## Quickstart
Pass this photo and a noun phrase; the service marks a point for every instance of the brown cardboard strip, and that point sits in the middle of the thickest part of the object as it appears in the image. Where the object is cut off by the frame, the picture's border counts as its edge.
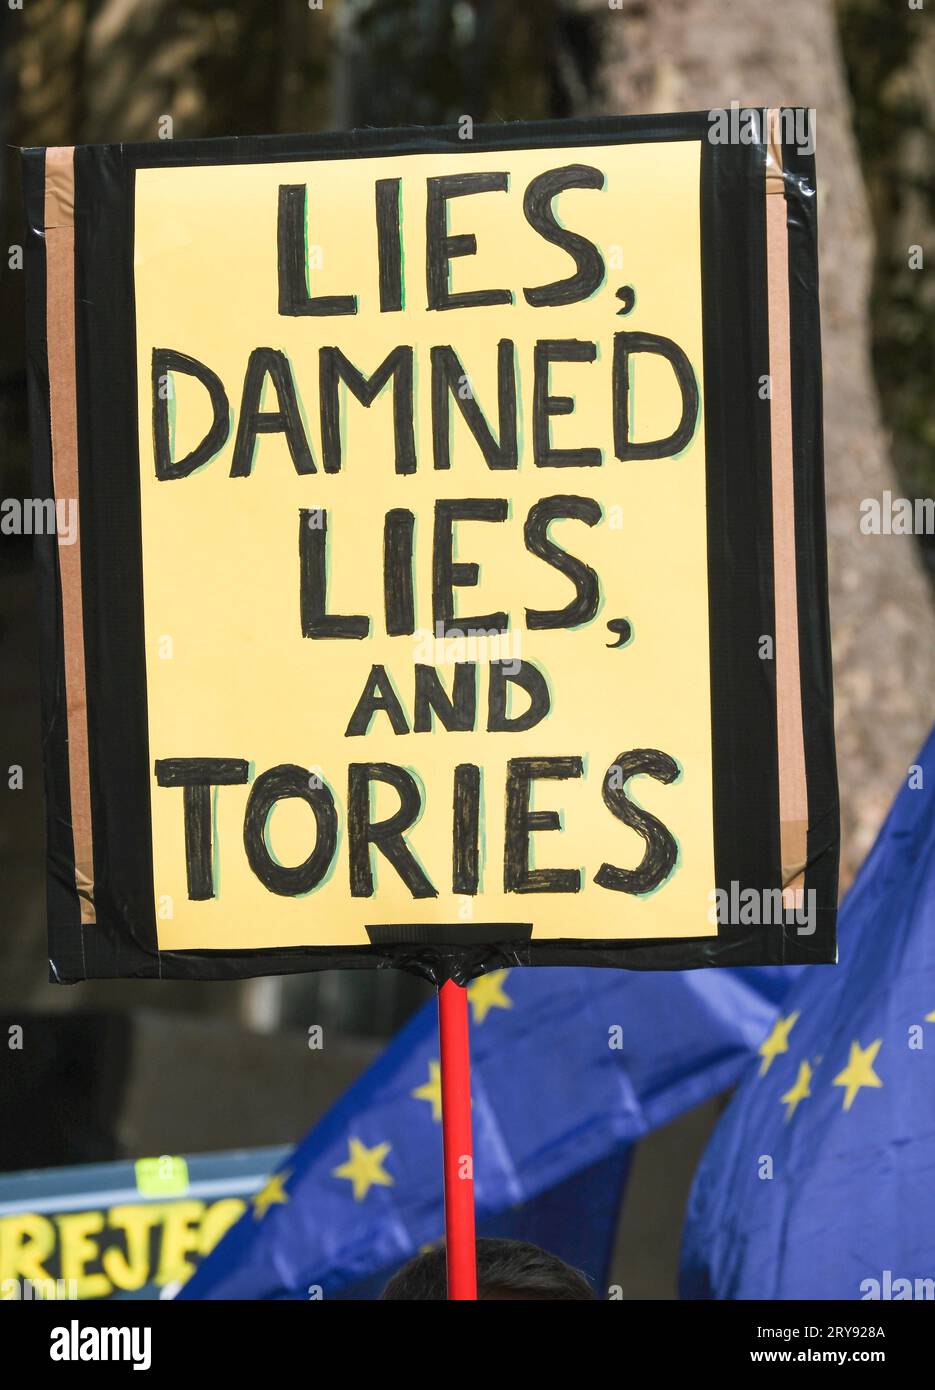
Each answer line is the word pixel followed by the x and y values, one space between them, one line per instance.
pixel 60 332
pixel 793 790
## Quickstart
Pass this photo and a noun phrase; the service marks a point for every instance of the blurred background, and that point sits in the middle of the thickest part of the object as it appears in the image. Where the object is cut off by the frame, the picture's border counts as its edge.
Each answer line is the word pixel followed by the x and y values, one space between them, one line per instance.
pixel 123 1069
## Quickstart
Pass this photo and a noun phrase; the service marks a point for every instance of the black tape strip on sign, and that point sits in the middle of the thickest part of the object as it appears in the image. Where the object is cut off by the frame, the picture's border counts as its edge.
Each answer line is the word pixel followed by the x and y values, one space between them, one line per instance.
pixel 448 586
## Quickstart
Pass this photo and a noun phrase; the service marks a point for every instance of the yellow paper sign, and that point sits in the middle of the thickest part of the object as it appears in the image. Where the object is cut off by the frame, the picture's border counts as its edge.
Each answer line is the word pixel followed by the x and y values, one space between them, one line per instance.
pixel 424 545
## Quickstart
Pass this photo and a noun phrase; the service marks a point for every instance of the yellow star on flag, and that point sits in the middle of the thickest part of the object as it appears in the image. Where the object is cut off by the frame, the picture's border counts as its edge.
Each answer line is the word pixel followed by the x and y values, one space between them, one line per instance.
pixel 364 1168
pixel 778 1041
pixel 859 1071
pixel 930 1018
pixel 431 1090
pixel 799 1092
pixel 486 993
pixel 271 1194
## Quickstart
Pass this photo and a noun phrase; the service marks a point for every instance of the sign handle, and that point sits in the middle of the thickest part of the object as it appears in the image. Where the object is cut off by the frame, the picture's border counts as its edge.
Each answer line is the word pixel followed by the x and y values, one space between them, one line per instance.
pixel 455 1066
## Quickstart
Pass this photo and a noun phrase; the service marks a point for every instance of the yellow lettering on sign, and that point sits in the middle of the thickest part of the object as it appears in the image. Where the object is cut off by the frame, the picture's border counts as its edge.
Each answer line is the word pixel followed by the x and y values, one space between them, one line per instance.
pixel 181 1236
pixel 77 1250
pixel 525 471
pixel 26 1239
pixel 218 1219
pixel 124 1241
pixel 132 1271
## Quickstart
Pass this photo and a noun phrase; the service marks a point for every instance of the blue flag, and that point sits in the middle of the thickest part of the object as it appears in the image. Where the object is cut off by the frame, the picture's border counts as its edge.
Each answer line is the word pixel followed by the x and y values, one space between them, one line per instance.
pixel 819 1181
pixel 569 1068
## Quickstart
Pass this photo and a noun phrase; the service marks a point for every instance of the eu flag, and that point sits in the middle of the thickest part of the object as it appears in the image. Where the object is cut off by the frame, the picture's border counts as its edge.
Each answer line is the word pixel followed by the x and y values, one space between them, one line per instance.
pixel 569 1068
pixel 819 1181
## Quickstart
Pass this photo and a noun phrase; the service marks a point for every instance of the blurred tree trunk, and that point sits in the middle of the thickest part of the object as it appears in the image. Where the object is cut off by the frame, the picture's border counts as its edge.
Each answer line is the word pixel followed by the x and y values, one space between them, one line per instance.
pixel 701 54
pixel 890 60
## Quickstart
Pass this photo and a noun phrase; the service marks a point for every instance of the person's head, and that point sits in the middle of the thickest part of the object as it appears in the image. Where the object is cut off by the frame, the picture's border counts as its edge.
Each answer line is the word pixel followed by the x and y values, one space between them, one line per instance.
pixel 506 1269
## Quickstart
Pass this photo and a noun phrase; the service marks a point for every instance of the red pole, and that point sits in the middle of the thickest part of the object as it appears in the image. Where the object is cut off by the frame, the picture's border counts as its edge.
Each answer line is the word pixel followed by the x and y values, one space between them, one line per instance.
pixel 455 1060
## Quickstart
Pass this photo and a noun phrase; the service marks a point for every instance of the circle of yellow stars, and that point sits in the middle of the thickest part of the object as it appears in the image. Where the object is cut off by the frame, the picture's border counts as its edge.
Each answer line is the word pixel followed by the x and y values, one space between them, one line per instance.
pixel 364 1166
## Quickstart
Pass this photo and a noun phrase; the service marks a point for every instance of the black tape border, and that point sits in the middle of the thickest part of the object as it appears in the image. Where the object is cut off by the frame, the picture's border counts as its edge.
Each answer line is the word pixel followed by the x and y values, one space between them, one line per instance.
pixel 66 933
pixel 742 686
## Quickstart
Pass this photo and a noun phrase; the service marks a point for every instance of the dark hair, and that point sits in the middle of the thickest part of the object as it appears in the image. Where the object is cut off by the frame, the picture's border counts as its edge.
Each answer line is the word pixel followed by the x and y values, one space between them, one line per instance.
pixel 506 1269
